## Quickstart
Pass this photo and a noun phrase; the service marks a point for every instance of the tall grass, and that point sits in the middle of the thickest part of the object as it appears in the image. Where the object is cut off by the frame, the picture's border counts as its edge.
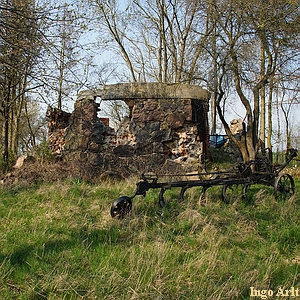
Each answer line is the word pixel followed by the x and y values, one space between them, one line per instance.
pixel 58 241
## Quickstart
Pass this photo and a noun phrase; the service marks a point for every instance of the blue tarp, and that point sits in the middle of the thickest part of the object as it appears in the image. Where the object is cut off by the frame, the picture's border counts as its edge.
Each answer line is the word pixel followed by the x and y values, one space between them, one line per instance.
pixel 217 140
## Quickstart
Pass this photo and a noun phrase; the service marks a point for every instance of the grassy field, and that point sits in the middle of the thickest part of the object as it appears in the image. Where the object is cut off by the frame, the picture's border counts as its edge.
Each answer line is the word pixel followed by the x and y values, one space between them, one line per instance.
pixel 58 241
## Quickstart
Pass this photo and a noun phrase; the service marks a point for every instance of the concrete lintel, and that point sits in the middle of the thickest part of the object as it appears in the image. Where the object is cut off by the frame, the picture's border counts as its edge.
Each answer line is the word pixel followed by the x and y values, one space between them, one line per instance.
pixel 150 90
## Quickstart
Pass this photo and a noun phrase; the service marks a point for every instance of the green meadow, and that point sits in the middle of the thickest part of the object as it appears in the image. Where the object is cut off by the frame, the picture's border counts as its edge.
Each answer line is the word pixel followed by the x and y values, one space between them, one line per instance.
pixel 58 241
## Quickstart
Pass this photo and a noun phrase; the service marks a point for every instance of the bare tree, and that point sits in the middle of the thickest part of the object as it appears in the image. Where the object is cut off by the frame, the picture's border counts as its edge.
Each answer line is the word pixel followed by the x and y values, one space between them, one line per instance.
pixel 67 57
pixel 41 58
pixel 18 48
pixel 158 40
pixel 286 104
pixel 250 40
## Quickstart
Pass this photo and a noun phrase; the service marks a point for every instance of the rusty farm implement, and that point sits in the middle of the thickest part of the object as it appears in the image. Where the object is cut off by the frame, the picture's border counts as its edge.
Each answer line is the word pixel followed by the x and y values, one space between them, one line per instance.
pixel 243 175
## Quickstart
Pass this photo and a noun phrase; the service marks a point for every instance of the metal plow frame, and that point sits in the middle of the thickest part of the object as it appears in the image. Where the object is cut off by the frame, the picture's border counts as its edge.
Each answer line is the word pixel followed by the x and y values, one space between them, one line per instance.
pixel 258 171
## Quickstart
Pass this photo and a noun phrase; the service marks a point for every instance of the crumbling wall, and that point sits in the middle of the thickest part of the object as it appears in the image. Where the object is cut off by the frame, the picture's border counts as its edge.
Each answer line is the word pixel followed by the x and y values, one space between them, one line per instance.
pixel 162 126
pixel 57 124
pixel 166 123
pixel 237 126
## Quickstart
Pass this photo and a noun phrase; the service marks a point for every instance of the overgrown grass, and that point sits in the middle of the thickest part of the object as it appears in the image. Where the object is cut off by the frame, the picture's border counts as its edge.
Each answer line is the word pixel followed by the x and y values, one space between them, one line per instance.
pixel 58 241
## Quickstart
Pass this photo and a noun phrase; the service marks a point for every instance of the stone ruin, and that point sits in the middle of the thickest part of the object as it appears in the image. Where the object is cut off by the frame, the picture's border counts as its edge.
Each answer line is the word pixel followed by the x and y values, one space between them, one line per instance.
pixel 166 131
pixel 237 126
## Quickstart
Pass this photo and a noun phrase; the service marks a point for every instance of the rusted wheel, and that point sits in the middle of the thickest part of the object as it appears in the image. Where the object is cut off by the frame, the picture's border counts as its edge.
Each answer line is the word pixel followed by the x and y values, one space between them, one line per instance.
pixel 121 207
pixel 233 192
pixel 284 187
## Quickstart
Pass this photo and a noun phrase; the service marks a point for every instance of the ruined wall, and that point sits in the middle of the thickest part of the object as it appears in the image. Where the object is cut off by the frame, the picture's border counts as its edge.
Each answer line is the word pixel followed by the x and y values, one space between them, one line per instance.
pixel 57 124
pixel 166 123
pixel 163 126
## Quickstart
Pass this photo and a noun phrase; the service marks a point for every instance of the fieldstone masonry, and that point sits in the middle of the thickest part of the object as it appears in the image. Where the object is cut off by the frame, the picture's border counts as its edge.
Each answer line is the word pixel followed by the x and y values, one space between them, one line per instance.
pixel 167 126
pixel 57 124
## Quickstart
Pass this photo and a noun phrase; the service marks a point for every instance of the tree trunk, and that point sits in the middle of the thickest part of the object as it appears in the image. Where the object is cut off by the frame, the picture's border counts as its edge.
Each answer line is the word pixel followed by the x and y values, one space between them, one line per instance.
pixel 270 123
pixel 6 142
pixel 262 131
